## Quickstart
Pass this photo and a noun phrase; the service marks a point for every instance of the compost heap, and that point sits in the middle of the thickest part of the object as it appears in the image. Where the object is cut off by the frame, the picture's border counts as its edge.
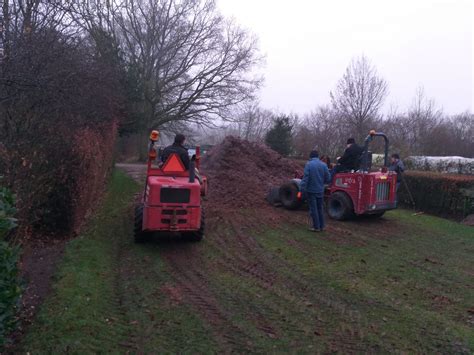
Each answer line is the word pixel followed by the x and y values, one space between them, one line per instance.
pixel 241 173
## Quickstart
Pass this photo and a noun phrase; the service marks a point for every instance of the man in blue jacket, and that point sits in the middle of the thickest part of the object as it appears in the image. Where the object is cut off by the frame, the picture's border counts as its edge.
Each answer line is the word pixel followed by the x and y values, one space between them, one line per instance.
pixel 316 174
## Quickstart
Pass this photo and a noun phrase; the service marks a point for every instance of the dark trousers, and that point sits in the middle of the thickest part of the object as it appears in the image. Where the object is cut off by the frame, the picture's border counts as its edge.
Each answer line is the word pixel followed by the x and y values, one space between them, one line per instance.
pixel 396 190
pixel 338 169
pixel 316 210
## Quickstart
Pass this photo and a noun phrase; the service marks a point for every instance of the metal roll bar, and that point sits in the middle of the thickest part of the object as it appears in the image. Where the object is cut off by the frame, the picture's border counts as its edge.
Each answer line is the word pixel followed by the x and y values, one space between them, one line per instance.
pixel 365 153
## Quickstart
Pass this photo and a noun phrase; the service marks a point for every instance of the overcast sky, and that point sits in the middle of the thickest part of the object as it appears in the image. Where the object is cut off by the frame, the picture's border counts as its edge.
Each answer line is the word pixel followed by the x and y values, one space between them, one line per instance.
pixel 309 43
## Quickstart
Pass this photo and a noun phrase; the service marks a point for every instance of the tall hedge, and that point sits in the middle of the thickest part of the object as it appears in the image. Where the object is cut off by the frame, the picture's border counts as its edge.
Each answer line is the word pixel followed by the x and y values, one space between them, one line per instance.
pixel 9 284
pixel 62 99
pixel 59 178
pixel 441 194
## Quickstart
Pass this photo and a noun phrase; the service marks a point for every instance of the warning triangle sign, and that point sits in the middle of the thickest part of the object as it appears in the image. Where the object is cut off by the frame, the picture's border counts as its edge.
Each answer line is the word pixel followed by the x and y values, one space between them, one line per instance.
pixel 173 165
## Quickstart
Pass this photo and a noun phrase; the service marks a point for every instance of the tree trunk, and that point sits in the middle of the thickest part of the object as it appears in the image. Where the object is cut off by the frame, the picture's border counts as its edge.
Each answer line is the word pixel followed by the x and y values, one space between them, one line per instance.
pixel 148 110
pixel 142 145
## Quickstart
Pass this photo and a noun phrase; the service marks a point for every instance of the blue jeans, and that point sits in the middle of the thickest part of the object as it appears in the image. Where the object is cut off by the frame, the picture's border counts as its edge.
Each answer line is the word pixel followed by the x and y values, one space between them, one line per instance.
pixel 396 191
pixel 316 210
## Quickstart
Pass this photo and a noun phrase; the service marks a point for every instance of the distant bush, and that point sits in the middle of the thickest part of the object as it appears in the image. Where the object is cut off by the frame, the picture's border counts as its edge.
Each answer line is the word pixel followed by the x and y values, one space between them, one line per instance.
pixel 451 165
pixel 441 194
pixel 9 287
pixel 280 135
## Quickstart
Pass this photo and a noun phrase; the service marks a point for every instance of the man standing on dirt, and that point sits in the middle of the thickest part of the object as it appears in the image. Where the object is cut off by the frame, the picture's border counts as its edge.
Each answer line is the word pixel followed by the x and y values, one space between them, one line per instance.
pixel 316 174
pixel 178 148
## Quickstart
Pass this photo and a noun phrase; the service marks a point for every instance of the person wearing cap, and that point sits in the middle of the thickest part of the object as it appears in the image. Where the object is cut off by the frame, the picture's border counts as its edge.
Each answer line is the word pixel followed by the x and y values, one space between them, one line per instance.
pixel 178 148
pixel 350 160
pixel 316 174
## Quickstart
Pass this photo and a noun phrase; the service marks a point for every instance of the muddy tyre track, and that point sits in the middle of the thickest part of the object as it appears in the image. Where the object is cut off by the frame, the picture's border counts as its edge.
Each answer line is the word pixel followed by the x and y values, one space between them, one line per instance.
pixel 191 281
pixel 231 234
pixel 292 292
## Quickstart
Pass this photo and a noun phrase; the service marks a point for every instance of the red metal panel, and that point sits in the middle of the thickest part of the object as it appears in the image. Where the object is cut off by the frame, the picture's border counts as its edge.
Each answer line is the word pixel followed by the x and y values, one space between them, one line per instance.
pixel 361 188
pixel 155 183
pixel 160 214
pixel 173 165
pixel 155 220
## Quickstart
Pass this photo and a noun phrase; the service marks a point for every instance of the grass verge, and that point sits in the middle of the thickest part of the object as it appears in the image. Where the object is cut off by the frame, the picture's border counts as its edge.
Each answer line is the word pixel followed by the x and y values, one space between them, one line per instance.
pixel 107 292
pixel 409 286
pixel 399 284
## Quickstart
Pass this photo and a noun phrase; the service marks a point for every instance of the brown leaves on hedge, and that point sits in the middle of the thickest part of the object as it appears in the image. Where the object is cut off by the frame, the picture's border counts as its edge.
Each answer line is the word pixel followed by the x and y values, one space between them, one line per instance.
pixel 441 194
pixel 440 176
pixel 64 175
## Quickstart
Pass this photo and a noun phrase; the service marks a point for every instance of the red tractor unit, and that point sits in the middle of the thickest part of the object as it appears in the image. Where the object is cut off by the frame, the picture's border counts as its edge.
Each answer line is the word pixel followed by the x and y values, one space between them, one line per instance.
pixel 171 202
pixel 354 193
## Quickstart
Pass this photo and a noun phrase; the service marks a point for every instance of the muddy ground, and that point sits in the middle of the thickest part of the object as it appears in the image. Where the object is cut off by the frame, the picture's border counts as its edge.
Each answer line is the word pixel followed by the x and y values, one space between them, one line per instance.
pixel 230 229
pixel 260 282
pixel 240 175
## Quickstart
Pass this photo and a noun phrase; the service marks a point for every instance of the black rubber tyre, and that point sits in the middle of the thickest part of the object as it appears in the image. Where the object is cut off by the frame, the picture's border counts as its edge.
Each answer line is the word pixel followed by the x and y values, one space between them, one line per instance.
pixel 198 235
pixel 340 206
pixel 289 196
pixel 273 196
pixel 138 234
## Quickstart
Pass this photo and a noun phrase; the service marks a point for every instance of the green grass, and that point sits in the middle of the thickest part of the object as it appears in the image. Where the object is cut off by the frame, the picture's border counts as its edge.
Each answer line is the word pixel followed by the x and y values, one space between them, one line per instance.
pixel 401 284
pixel 107 292
pixel 163 324
pixel 412 288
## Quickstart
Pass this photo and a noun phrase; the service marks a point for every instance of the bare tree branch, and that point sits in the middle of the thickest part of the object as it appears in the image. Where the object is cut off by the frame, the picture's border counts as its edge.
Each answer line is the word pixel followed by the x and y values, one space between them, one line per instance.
pixel 359 95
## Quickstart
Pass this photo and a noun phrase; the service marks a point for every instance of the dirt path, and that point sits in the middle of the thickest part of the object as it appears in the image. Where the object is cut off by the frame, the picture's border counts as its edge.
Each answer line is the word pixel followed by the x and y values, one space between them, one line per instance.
pixel 259 283
pixel 37 266
pixel 231 249
pixel 191 280
pixel 136 171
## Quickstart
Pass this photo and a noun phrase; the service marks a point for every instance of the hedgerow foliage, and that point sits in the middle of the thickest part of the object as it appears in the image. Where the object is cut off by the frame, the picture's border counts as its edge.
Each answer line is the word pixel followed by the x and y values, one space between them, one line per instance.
pixel 59 181
pixel 61 103
pixel 9 288
pixel 441 194
pixel 7 211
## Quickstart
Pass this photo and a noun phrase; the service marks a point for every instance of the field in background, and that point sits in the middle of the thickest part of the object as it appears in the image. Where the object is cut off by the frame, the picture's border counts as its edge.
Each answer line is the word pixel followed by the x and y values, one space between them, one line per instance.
pixel 403 283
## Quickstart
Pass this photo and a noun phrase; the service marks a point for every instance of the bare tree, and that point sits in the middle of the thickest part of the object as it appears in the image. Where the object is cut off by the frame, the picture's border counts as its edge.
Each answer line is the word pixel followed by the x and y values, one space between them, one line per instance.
pixel 321 129
pixel 423 116
pixel 462 126
pixel 193 65
pixel 252 121
pixel 359 95
pixel 184 62
pixel 424 130
pixel 399 129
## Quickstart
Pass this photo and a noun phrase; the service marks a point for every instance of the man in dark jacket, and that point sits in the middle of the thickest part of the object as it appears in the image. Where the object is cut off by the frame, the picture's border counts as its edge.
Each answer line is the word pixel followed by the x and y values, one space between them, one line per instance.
pixel 316 174
pixel 397 165
pixel 178 148
pixel 350 160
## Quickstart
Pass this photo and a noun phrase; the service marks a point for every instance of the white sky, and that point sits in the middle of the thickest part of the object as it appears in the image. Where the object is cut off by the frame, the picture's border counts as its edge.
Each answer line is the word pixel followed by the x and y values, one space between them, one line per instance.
pixel 309 43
